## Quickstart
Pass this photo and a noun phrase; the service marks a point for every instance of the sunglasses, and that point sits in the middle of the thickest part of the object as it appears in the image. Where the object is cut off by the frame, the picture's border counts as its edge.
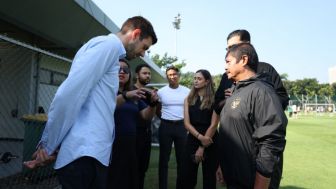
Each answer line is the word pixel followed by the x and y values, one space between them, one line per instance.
pixel 126 70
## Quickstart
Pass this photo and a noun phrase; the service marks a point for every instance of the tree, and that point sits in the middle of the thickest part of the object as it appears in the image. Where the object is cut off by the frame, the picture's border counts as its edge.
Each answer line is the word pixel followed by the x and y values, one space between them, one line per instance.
pixel 187 79
pixel 309 87
pixel 166 61
pixel 284 77
pixel 306 86
pixel 325 90
pixel 217 79
pixel 333 86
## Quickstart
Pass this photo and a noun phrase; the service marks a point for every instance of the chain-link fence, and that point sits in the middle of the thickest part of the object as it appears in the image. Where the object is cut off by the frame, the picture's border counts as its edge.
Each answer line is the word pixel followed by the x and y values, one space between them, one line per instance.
pixel 29 78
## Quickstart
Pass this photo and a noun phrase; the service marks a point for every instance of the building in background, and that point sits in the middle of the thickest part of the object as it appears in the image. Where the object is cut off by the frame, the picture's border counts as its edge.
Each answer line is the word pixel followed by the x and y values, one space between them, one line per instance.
pixel 38 40
pixel 332 75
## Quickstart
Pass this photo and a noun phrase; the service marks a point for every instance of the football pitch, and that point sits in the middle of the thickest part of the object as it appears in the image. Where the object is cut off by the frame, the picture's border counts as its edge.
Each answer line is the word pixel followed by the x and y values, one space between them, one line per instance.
pixel 310 154
pixel 309 160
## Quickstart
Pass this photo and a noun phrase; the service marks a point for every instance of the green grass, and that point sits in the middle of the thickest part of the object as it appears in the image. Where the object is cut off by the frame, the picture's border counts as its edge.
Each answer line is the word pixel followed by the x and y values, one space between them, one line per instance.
pixel 152 181
pixel 310 154
pixel 309 162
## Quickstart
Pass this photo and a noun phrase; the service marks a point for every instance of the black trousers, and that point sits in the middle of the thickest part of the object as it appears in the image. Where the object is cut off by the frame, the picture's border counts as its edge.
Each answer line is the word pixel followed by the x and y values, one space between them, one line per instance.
pixel 170 133
pixel 85 173
pixel 143 148
pixel 209 164
pixel 122 172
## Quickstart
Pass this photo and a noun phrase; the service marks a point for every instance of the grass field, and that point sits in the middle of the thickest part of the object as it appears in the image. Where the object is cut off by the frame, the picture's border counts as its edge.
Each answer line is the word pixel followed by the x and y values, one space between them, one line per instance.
pixel 309 162
pixel 310 154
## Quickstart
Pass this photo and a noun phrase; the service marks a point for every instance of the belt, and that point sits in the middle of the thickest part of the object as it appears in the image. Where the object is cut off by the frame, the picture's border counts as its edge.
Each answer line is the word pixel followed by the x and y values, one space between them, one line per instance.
pixel 172 121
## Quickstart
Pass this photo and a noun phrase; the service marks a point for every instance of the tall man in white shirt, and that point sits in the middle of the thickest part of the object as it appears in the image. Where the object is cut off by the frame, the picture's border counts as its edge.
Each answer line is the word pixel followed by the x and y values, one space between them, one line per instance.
pixel 80 127
pixel 172 127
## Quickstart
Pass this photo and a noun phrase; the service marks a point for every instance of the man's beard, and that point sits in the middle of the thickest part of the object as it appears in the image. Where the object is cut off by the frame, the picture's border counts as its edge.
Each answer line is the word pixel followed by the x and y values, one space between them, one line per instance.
pixel 130 50
pixel 144 81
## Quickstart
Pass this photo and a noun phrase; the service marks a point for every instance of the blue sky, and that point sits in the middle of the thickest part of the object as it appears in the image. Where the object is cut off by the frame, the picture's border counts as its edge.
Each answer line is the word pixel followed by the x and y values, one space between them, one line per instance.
pixel 297 37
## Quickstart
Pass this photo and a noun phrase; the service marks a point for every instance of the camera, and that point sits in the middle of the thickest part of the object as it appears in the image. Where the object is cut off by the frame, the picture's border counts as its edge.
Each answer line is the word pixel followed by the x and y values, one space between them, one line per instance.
pixel 148 95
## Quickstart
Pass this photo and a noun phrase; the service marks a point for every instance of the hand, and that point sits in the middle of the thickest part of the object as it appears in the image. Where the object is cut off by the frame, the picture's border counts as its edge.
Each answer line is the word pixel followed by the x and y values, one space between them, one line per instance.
pixel 261 182
pixel 199 155
pixel 219 177
pixel 40 158
pixel 205 140
pixel 136 94
pixel 228 93
pixel 154 96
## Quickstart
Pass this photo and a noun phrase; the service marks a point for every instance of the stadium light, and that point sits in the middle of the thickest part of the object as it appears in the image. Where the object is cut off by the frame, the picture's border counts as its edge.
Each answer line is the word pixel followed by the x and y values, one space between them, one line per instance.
pixel 177 26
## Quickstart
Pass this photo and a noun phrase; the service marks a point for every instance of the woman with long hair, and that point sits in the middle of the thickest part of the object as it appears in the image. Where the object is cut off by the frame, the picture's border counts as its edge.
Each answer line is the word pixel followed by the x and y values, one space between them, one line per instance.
pixel 123 167
pixel 201 121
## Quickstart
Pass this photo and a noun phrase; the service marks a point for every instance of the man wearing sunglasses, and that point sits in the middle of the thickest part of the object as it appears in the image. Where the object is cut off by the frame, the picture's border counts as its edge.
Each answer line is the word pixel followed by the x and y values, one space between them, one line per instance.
pixel 80 129
pixel 224 90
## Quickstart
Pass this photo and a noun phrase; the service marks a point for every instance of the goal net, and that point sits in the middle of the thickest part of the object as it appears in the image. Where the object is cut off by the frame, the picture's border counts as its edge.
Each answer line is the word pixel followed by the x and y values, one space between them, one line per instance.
pixel 319 108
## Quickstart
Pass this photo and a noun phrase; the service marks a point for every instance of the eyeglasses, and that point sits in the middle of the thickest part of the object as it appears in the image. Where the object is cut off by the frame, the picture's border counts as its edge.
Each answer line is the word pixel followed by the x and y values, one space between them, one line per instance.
pixel 126 70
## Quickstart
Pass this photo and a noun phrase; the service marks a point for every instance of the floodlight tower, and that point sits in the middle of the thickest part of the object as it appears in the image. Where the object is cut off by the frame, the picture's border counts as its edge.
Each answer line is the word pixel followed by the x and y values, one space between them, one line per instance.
pixel 176 24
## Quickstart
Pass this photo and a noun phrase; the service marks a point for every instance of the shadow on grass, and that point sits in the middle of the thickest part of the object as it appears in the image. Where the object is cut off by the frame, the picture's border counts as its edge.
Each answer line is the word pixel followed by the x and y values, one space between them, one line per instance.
pixel 292 187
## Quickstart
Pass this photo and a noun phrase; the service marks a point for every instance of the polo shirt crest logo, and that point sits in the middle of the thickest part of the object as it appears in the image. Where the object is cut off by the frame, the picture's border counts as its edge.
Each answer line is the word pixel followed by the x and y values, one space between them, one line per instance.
pixel 235 103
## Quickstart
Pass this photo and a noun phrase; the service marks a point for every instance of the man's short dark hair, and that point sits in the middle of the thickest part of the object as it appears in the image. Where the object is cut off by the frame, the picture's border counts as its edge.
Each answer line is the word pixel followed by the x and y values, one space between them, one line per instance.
pixel 241 49
pixel 140 66
pixel 172 68
pixel 139 22
pixel 244 35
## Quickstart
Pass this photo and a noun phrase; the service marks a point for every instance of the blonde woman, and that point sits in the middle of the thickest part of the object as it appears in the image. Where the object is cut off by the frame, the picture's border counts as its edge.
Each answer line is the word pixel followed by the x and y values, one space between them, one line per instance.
pixel 201 122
